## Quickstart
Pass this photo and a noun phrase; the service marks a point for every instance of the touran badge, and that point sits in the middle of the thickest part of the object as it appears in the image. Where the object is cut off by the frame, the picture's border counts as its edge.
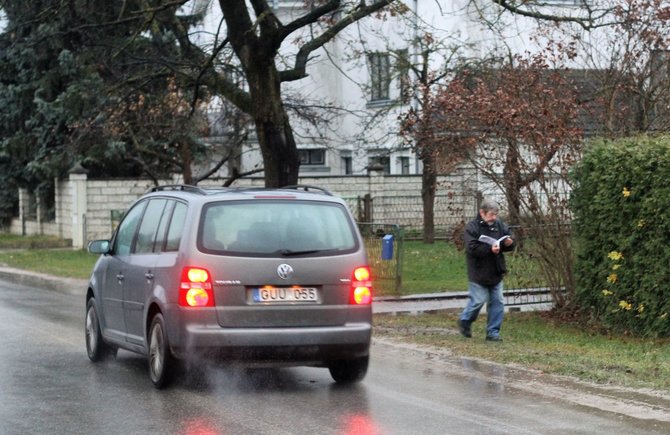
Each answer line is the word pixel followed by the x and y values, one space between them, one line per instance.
pixel 284 271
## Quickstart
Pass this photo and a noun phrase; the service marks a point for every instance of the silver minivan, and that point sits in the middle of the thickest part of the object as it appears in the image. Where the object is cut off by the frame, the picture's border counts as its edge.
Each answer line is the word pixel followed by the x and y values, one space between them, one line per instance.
pixel 258 276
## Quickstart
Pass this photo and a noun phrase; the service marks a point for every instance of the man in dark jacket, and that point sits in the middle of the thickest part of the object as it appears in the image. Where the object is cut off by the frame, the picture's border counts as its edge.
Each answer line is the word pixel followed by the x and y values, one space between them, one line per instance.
pixel 486 238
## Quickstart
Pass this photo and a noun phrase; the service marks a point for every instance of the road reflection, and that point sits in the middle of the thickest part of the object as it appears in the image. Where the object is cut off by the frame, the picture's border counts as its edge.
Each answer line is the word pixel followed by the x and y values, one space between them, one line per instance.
pixel 351 403
pixel 221 400
pixel 357 424
pixel 200 426
pixel 489 378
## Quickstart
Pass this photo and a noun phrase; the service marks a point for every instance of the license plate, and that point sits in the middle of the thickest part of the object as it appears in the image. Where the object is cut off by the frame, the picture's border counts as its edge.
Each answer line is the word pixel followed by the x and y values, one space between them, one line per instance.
pixel 278 295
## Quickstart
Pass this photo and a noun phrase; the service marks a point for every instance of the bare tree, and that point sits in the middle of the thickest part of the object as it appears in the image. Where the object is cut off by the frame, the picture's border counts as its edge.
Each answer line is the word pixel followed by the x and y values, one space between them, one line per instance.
pixel 269 48
pixel 429 64
pixel 520 124
pixel 628 67
pixel 257 35
pixel 259 38
pixel 418 127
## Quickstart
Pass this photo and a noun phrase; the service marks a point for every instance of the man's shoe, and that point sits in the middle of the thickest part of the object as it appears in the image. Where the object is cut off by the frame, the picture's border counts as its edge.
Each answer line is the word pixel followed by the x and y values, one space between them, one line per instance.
pixel 464 328
pixel 493 338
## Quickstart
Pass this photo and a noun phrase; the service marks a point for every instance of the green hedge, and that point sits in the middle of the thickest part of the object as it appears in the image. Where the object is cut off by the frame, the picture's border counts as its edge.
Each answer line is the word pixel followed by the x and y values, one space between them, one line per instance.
pixel 621 207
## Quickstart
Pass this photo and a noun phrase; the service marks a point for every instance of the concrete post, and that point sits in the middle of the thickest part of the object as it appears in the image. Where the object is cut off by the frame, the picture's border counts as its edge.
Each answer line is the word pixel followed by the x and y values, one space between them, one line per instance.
pixel 23 208
pixel 78 177
pixel 39 211
pixel 58 204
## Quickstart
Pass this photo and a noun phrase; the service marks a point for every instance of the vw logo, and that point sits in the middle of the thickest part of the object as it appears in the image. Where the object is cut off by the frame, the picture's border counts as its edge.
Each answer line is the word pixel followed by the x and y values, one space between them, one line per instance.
pixel 284 271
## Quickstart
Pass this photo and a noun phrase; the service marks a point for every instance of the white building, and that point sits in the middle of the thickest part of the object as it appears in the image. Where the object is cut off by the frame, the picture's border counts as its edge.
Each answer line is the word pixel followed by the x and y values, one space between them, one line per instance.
pixel 359 75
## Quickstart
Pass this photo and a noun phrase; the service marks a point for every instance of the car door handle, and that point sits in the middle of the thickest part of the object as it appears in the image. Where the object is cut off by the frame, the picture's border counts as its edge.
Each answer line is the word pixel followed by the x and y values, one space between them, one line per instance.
pixel 149 275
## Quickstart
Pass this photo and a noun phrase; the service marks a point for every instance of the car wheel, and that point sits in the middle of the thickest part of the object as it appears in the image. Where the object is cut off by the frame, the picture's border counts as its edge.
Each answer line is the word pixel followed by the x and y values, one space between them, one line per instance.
pixel 348 371
pixel 161 362
pixel 96 348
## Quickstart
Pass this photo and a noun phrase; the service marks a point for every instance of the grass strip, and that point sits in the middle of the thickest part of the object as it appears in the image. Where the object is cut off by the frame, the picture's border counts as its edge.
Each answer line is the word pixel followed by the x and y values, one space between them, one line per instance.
pixel 67 263
pixel 534 340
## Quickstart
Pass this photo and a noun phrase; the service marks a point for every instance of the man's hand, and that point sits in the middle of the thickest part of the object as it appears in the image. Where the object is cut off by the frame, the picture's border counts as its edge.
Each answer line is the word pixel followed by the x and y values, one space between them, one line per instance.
pixel 507 242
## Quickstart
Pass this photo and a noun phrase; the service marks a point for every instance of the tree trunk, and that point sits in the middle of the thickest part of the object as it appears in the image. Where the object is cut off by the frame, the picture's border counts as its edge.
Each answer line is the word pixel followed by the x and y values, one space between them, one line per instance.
pixel 274 132
pixel 428 187
pixel 280 154
pixel 512 182
pixel 256 43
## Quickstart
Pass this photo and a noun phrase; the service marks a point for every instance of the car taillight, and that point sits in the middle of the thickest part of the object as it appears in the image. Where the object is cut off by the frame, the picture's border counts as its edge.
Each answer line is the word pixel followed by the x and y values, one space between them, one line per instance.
pixel 195 289
pixel 361 286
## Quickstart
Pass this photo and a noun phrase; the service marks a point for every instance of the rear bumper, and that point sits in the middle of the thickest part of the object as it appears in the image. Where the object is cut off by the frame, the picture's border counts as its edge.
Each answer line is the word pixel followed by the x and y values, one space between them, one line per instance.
pixel 311 345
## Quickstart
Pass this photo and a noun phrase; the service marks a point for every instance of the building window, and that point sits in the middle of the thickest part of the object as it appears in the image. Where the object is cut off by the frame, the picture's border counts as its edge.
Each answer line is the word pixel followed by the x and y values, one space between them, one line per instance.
pixel 347 165
pixel 380 161
pixel 403 162
pixel 312 157
pixel 379 76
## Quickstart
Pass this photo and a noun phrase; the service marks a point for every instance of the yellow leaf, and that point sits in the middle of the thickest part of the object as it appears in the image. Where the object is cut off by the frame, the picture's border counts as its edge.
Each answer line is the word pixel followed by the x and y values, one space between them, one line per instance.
pixel 615 256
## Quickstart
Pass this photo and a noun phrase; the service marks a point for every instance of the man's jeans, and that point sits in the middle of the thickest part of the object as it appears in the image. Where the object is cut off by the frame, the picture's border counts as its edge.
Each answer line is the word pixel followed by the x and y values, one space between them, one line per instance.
pixel 495 308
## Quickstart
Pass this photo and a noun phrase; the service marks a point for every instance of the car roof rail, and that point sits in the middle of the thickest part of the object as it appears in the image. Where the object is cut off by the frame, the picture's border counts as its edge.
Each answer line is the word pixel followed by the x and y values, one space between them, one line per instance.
pixel 308 188
pixel 181 187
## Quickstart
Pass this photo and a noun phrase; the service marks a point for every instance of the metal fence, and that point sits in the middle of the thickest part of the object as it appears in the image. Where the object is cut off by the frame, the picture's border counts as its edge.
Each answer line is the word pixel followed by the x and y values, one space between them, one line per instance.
pixel 524 283
pixel 384 246
pixel 528 296
pixel 450 211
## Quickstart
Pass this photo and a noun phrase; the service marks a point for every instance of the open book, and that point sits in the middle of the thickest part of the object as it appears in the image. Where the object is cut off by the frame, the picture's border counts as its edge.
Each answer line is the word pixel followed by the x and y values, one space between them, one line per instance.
pixel 491 241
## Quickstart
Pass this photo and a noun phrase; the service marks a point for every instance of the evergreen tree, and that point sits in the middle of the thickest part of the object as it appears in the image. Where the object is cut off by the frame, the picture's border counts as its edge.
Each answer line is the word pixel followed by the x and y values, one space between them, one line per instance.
pixel 84 82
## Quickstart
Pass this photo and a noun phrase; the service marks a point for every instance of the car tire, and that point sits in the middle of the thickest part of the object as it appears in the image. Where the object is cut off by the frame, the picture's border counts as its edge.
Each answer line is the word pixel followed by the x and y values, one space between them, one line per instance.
pixel 162 364
pixel 96 348
pixel 349 371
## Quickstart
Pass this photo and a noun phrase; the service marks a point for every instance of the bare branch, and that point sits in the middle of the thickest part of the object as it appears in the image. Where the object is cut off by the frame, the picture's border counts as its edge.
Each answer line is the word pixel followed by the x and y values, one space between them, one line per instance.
pixel 207 75
pixel 221 162
pixel 237 175
pixel 299 70
pixel 310 18
pixel 590 22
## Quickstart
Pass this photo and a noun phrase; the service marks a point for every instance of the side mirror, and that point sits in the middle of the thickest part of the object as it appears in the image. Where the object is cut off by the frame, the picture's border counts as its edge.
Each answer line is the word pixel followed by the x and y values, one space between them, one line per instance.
pixel 99 247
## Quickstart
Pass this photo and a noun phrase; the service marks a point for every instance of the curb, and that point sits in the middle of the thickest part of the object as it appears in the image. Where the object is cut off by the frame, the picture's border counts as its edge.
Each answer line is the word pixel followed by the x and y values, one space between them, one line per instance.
pixel 70 286
pixel 424 297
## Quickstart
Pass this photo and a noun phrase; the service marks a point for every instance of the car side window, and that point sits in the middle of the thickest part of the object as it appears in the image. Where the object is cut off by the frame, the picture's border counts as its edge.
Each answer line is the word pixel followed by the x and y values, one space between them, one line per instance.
pixel 149 226
pixel 176 227
pixel 159 244
pixel 127 229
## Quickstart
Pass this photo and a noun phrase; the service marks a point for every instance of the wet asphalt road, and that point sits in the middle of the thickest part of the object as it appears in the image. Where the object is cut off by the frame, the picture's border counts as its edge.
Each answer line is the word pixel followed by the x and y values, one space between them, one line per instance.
pixel 48 386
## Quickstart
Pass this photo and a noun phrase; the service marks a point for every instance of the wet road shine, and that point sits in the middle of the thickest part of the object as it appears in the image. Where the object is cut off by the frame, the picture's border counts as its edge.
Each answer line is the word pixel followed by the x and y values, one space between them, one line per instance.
pixel 48 386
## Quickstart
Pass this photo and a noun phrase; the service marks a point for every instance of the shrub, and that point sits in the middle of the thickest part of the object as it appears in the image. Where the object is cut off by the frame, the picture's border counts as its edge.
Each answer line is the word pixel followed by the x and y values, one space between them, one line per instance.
pixel 621 205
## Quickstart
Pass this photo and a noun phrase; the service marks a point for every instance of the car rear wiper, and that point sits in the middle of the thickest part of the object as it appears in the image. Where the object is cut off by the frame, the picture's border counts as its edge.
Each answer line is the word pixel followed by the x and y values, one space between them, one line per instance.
pixel 290 253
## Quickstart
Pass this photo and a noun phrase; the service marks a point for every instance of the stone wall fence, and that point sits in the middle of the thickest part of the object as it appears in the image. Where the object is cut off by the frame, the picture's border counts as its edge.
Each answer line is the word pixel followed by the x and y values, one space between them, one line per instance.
pixel 89 209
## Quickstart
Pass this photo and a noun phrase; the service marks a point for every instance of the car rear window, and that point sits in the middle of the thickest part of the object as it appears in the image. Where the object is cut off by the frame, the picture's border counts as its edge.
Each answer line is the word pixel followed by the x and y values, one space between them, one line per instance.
pixel 267 227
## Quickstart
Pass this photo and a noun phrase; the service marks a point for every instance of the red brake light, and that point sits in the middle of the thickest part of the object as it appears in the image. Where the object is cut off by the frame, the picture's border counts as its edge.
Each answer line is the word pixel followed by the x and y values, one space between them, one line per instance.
pixel 362 274
pixel 361 286
pixel 195 289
